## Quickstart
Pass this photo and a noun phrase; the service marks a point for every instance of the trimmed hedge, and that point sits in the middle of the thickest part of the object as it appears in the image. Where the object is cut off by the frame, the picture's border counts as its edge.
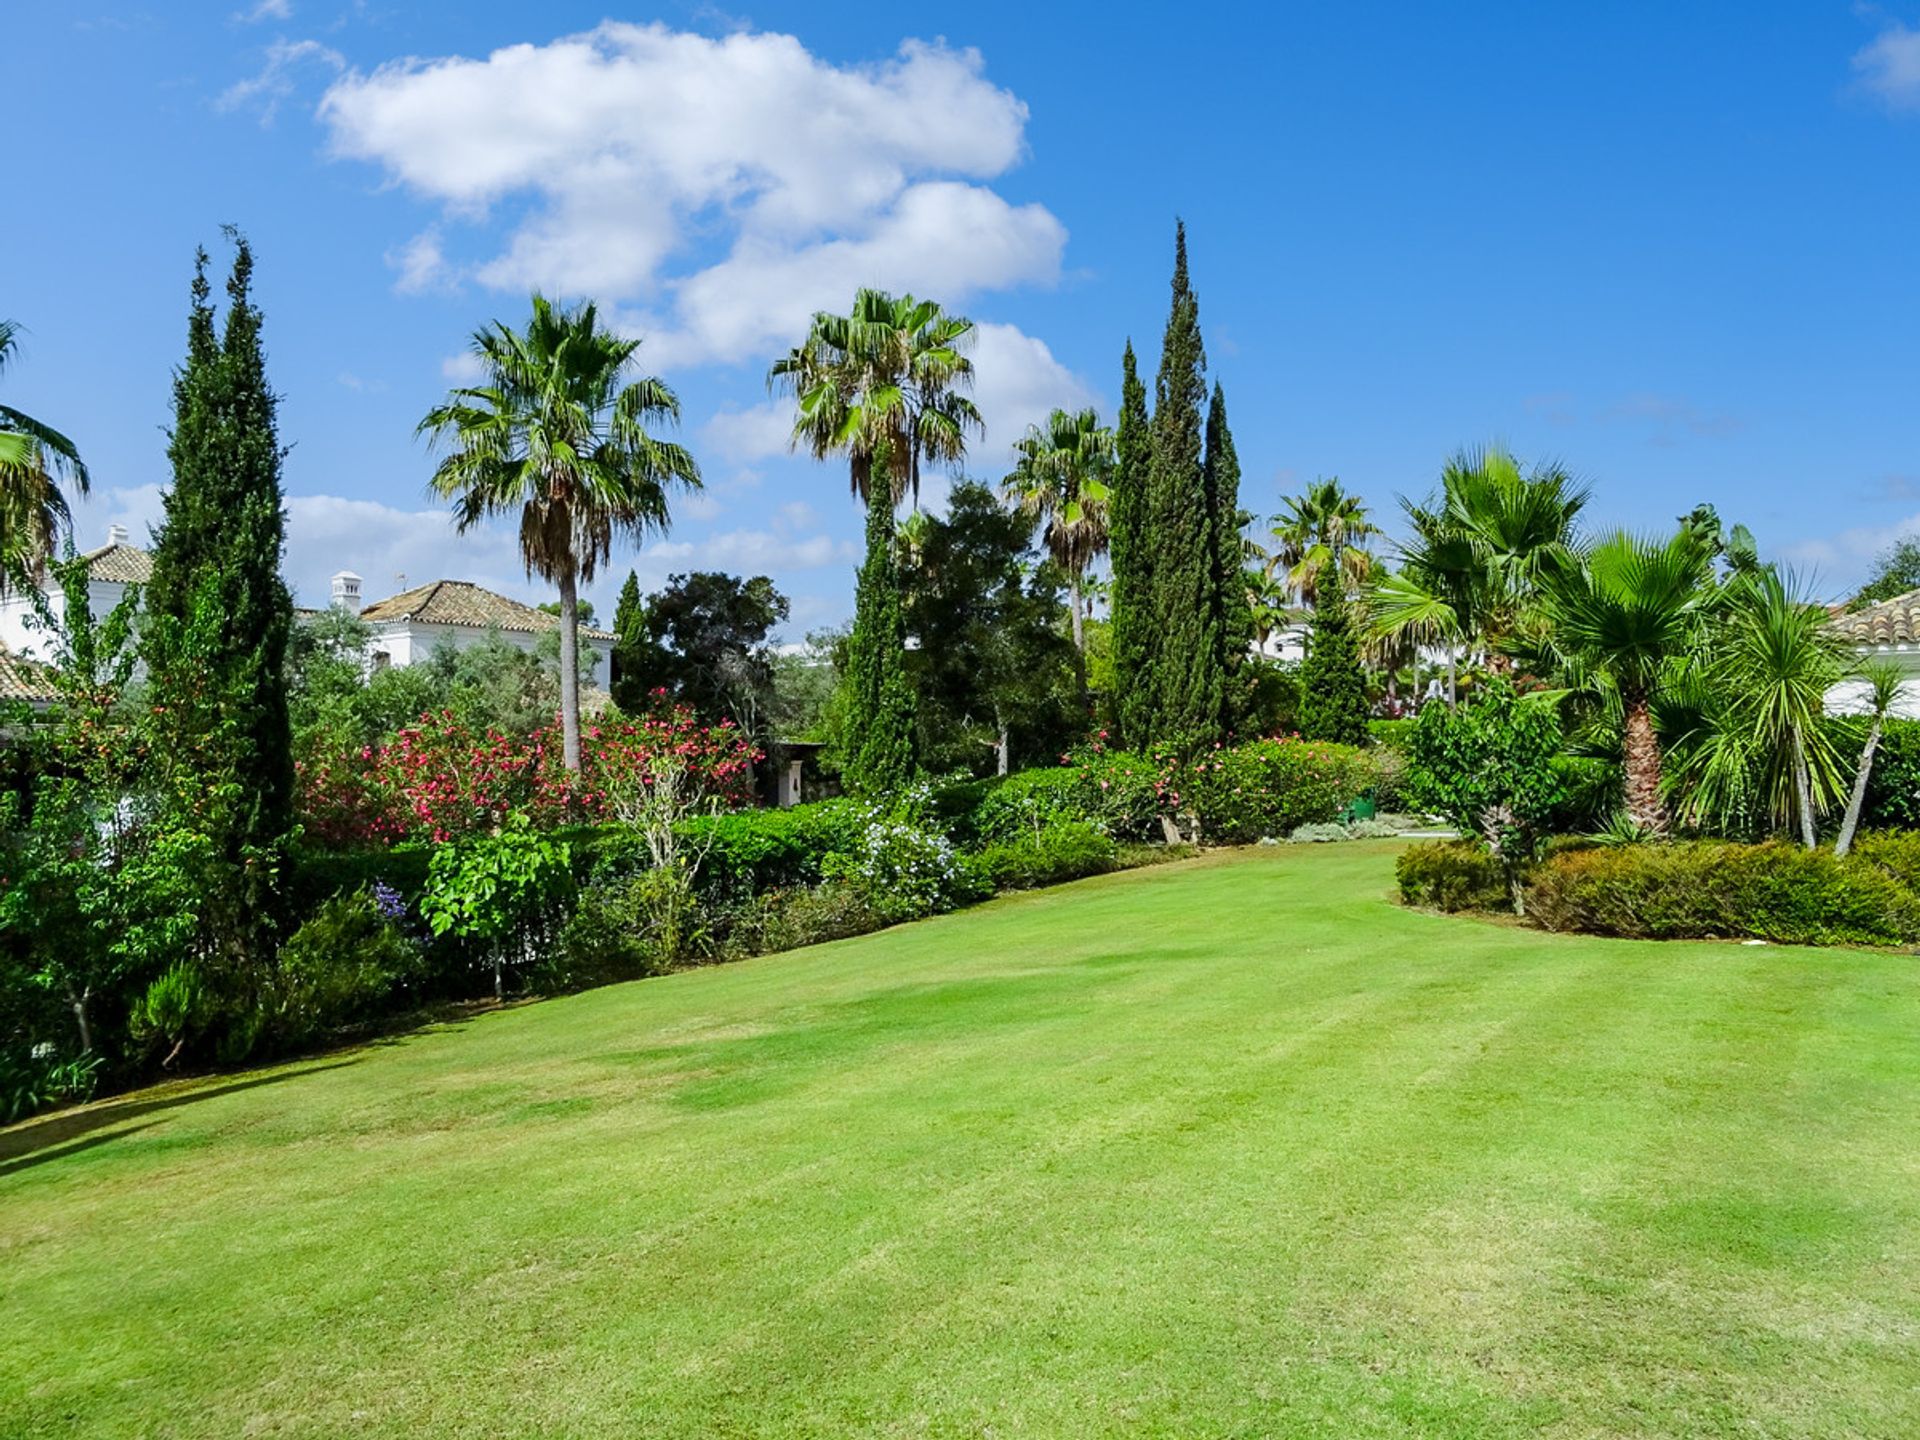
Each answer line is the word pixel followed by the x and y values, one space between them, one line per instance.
pixel 1452 875
pixel 1068 850
pixel 771 849
pixel 1710 889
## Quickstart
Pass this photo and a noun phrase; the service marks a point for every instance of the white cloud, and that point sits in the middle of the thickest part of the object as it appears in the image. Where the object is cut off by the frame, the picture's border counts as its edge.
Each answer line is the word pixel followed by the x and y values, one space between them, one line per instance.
pixel 742 436
pixel 626 150
pixel 1844 559
pixel 1889 67
pixel 266 10
pixel 464 368
pixel 753 552
pixel 285 60
pixel 422 265
pixel 1018 384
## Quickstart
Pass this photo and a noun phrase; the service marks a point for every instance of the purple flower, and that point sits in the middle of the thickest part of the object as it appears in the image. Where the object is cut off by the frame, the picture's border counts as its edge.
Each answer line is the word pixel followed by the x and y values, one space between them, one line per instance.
pixel 391 904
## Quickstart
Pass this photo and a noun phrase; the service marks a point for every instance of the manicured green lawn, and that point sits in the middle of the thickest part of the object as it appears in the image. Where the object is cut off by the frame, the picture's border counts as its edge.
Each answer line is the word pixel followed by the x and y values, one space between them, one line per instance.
pixel 1231 1147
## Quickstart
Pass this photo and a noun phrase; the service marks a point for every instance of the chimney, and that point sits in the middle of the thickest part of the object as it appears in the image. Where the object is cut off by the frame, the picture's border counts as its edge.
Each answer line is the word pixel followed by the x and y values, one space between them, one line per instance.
pixel 116 534
pixel 346 592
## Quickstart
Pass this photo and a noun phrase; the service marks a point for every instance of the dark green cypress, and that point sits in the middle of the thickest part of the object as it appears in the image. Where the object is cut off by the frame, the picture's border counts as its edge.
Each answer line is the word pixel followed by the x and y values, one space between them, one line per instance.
pixel 1188 687
pixel 1233 614
pixel 879 710
pixel 219 616
pixel 1130 552
pixel 630 682
pixel 1333 688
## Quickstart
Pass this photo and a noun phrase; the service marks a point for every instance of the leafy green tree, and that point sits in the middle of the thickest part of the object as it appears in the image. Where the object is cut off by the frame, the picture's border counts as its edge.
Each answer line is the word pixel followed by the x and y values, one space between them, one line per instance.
pixel 1233 623
pixel 498 892
pixel 1183 639
pixel 1060 478
pixel 1132 552
pixel 1323 526
pixel 558 438
pixel 993 673
pixel 34 458
pixel 219 616
pixel 1630 613
pixel 708 639
pixel 883 386
pixel 636 658
pixel 1896 570
pixel 1333 688
pixel 1491 767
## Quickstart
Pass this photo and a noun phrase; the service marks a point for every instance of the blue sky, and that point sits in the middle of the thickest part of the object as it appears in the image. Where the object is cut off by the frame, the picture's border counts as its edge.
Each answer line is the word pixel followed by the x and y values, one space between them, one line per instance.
pixel 1672 246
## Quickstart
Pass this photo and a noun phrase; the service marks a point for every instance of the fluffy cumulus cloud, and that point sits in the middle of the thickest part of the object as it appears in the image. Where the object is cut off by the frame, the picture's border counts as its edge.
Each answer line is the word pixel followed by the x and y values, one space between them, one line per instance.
pixel 717 190
pixel 1889 67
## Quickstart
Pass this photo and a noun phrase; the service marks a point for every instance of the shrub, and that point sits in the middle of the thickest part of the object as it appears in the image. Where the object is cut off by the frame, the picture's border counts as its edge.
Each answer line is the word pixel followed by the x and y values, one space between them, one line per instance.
pixel 1025 805
pixel 1893 788
pixel 1393 734
pixel 1452 875
pixel 806 915
pixel 1270 787
pixel 1895 853
pixel 1716 889
pixel 498 892
pixel 613 934
pixel 1065 851
pixel 904 868
pixel 751 850
pixel 341 966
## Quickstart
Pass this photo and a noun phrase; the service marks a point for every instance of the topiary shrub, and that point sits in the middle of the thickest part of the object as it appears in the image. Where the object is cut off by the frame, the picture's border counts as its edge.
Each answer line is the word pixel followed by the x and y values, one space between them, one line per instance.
pixel 752 850
pixel 1270 787
pixel 1708 889
pixel 1452 875
pixel 1026 805
pixel 1068 850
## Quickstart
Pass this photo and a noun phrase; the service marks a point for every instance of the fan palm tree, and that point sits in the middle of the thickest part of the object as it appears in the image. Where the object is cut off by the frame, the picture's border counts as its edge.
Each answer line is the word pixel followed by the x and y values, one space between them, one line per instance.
pixel 882 385
pixel 1883 692
pixel 1627 613
pixel 34 458
pixel 1471 570
pixel 1322 528
pixel 1061 478
pixel 554 435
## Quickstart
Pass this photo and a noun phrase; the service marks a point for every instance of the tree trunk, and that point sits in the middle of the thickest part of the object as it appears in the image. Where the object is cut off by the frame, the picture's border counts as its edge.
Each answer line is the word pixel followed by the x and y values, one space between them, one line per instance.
pixel 570 670
pixel 1079 627
pixel 1453 678
pixel 1640 757
pixel 78 1000
pixel 1857 801
pixel 1803 790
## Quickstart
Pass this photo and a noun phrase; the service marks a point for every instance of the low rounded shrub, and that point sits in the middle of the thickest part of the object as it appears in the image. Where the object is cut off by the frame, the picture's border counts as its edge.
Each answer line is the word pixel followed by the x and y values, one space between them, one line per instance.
pixel 1709 889
pixel 1069 850
pixel 751 850
pixel 1025 805
pixel 1452 875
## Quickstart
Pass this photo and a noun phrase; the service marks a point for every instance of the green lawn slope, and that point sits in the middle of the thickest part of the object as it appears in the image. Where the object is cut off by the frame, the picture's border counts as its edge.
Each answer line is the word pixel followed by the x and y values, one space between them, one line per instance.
pixel 1232 1147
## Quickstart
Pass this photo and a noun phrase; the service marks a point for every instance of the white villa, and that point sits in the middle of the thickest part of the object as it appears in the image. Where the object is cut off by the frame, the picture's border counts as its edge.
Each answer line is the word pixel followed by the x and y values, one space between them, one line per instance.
pixel 407 628
pixel 1889 632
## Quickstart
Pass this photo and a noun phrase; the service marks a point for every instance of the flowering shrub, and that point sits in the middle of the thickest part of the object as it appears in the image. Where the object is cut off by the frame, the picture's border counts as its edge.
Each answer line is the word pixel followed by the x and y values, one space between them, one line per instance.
pixel 902 865
pixel 439 780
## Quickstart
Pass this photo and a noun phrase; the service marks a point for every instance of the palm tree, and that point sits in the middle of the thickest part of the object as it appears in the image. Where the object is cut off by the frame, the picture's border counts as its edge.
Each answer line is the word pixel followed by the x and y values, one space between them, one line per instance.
pixel 1627 612
pixel 555 435
pixel 1060 478
pixel 882 386
pixel 1883 691
pixel 1471 571
pixel 1322 527
pixel 34 458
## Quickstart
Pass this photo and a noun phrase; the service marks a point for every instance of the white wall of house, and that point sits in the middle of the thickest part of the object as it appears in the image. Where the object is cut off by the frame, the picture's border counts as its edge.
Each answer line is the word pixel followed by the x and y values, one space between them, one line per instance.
pixel 399 643
pixel 20 629
pixel 1853 696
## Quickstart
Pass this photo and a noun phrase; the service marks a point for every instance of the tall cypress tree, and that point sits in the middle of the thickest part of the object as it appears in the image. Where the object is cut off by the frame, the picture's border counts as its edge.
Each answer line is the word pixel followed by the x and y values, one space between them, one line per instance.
pixel 879 708
pixel 1130 551
pixel 632 646
pixel 219 615
pixel 1188 687
pixel 1333 688
pixel 1233 613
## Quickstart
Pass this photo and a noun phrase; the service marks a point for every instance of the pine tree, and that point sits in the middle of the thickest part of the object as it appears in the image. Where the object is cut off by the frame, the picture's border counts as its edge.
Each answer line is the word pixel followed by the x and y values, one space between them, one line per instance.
pixel 219 616
pixel 1333 689
pixel 1187 693
pixel 1233 612
pixel 1130 552
pixel 879 697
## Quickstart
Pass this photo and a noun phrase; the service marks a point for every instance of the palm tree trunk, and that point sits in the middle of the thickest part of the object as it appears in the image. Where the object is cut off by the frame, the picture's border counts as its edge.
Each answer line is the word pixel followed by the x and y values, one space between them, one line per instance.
pixel 570 670
pixel 1073 599
pixel 1803 790
pixel 1857 801
pixel 1640 757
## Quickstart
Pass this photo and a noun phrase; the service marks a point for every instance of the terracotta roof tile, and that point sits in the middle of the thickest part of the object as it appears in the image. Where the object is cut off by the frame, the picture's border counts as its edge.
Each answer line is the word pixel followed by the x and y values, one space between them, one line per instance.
pixel 1891 622
pixel 460 602
pixel 23 679
pixel 126 564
